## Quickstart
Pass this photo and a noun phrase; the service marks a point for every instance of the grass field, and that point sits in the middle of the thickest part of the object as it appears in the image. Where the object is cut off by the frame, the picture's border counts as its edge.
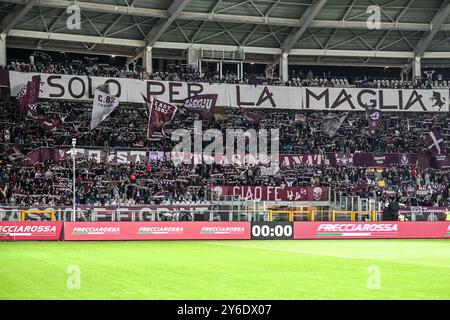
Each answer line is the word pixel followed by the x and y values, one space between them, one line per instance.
pixel 324 269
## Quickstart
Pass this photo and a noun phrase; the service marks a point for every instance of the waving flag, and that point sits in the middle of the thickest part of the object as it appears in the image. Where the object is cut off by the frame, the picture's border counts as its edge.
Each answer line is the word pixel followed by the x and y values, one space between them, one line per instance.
pixel 104 104
pixel 331 124
pixel 252 117
pixel 435 142
pixel 28 97
pixel 27 103
pixel 202 104
pixel 373 117
pixel 160 114
pixel 47 123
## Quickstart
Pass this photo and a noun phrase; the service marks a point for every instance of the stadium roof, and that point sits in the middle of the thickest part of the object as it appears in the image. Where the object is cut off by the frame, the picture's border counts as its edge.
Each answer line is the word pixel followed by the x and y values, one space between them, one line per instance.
pixel 330 32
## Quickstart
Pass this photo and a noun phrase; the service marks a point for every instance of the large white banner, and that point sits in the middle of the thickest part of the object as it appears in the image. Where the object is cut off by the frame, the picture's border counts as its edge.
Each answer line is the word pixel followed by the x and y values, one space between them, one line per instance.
pixel 73 87
pixel 356 99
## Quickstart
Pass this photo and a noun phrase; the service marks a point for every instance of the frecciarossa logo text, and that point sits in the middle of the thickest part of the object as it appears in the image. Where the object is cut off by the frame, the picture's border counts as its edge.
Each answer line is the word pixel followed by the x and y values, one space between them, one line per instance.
pixel 352 229
pixel 28 229
pixel 222 230
pixel 95 230
pixel 160 230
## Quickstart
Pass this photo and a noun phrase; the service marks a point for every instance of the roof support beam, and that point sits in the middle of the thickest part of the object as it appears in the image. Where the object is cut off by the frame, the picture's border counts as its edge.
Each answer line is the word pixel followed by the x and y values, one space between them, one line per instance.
pixel 436 24
pixel 296 33
pixel 16 15
pixel 161 26
pixel 199 16
pixel 306 19
pixel 183 46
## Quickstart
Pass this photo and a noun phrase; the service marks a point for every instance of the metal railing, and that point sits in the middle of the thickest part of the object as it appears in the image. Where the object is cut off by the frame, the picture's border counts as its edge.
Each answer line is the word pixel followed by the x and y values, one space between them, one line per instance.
pixel 99 214
pixel 323 215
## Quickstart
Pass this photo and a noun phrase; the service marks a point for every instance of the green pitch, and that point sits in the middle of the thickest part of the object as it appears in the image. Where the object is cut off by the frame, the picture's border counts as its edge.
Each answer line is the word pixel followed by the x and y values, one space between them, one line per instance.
pixel 323 269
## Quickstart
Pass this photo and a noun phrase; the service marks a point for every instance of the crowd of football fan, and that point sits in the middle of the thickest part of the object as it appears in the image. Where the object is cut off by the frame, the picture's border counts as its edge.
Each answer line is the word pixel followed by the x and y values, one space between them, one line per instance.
pixel 300 132
pixel 156 181
pixel 41 62
pixel 109 183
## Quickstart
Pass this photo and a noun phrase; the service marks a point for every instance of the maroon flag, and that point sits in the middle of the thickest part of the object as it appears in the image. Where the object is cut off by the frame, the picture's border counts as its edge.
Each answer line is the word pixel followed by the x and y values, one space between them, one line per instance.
pixel 202 104
pixel 435 142
pixel 160 114
pixel 27 100
pixel 47 124
pixel 252 117
pixel 373 118
pixel 28 97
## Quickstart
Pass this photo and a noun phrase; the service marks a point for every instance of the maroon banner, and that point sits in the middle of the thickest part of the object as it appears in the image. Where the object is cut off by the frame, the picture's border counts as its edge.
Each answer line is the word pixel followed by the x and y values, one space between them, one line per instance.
pixel 378 159
pixel 141 212
pixel 113 155
pixel 341 159
pixel 426 209
pixel 332 159
pixel 303 159
pixel 41 155
pixel 202 104
pixel 28 97
pixel 156 230
pixel 440 162
pixel 266 193
pixel 371 230
pixel 160 114
pixel 26 230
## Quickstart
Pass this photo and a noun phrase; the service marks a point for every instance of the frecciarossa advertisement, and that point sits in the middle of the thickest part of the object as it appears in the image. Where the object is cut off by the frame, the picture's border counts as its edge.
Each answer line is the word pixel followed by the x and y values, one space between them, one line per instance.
pixel 205 230
pixel 156 230
pixel 30 230
pixel 372 230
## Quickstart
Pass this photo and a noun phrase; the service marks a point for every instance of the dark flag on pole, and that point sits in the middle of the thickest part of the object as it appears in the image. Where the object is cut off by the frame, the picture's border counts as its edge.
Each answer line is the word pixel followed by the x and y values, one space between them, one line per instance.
pixel 435 142
pixel 373 117
pixel 27 103
pixel 252 117
pixel 28 97
pixel 160 114
pixel 202 104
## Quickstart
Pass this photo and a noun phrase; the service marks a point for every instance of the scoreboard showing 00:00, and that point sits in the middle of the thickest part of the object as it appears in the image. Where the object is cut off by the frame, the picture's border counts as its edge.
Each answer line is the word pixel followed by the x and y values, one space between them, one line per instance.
pixel 272 231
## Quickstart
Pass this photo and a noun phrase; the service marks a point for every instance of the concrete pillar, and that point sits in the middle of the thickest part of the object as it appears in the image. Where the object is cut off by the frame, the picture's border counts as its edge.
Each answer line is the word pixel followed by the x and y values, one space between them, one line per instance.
pixel 193 57
pixel 417 68
pixel 284 74
pixel 147 60
pixel 3 49
pixel 241 70
pixel 127 63
pixel 220 70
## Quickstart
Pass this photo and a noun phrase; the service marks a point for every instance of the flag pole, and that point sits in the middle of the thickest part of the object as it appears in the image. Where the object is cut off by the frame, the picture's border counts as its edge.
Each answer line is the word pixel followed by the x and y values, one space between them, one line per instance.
pixel 74 142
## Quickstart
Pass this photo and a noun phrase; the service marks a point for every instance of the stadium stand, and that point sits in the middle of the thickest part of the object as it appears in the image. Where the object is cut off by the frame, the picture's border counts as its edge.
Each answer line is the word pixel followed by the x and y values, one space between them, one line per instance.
pixel 160 180
pixel 189 73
